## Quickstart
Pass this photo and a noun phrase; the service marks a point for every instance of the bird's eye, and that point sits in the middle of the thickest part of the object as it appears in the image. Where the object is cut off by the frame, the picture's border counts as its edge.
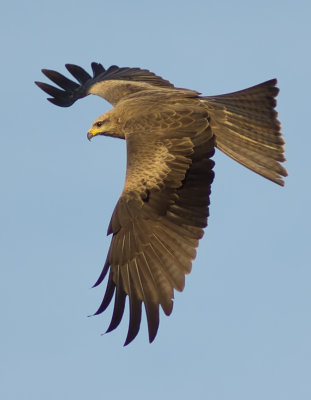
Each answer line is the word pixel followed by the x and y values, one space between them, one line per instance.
pixel 98 124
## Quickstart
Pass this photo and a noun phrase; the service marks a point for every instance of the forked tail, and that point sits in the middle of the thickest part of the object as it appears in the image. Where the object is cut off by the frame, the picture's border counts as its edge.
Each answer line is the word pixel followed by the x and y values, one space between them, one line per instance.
pixel 246 128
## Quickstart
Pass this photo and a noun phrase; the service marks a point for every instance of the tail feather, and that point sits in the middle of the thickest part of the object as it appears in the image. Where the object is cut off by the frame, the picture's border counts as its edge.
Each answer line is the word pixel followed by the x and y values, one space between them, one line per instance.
pixel 253 142
pixel 246 128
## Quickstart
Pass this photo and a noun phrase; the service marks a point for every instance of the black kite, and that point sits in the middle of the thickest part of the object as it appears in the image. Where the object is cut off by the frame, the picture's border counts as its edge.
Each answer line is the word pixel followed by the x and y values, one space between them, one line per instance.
pixel 171 134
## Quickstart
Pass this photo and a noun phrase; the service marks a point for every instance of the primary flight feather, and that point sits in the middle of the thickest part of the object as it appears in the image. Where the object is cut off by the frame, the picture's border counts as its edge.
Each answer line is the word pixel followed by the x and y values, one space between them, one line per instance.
pixel 171 134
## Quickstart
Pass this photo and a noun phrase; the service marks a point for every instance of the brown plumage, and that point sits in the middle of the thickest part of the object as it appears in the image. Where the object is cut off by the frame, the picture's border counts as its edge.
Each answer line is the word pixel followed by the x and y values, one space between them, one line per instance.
pixel 171 134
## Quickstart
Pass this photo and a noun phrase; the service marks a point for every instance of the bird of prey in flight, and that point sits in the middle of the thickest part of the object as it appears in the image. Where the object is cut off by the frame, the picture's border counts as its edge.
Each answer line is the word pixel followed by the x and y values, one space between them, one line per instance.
pixel 171 134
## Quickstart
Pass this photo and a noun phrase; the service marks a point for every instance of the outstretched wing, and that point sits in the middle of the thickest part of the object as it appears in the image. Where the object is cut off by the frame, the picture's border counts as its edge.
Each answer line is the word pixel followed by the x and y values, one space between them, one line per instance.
pixel 159 218
pixel 112 84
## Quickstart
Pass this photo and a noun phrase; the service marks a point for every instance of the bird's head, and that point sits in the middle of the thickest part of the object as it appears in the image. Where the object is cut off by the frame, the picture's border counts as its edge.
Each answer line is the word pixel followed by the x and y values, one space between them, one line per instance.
pixel 103 125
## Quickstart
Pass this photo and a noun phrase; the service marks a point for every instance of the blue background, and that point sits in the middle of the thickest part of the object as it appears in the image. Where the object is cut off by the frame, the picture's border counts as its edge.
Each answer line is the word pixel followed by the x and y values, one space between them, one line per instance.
pixel 241 329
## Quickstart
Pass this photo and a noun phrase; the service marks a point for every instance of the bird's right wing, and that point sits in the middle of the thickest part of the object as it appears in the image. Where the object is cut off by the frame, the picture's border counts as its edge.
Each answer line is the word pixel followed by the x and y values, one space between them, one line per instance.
pixel 112 84
pixel 158 220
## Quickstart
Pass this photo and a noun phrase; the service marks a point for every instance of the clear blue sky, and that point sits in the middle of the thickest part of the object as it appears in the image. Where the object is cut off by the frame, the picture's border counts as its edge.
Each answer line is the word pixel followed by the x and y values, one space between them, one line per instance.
pixel 241 329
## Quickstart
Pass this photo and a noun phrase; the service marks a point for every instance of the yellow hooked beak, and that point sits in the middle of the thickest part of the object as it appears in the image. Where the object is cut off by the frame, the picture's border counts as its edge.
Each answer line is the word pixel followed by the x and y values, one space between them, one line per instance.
pixel 93 132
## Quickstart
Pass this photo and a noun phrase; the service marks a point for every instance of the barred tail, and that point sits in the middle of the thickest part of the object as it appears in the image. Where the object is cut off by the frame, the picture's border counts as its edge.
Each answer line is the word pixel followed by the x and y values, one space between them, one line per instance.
pixel 246 128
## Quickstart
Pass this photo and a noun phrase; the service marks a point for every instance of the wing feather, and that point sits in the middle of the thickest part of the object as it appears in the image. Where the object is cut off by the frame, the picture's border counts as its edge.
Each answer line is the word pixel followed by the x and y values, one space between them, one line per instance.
pixel 155 236
pixel 134 294
pixel 119 303
pixel 79 73
pixel 112 84
pixel 110 289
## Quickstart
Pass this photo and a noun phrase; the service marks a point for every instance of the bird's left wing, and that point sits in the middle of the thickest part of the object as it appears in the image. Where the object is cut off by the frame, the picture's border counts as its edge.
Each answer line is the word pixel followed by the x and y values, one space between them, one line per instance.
pixel 158 220
pixel 112 84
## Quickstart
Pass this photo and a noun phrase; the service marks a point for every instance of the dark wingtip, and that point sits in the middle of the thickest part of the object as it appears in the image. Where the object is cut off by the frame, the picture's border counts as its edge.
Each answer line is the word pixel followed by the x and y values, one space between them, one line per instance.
pixel 135 319
pixel 45 71
pixel 131 336
pixel 132 333
pixel 128 341
pixel 151 338
pixel 153 333
pixel 118 309
pixel 103 273
pixel 72 91
pixel 79 73
pixel 110 289
pixel 60 102
pixel 113 325
pixel 44 86
pixel 97 68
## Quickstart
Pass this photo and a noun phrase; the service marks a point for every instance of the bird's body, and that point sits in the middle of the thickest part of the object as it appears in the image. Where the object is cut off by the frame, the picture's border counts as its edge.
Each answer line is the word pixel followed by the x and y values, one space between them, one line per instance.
pixel 171 135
